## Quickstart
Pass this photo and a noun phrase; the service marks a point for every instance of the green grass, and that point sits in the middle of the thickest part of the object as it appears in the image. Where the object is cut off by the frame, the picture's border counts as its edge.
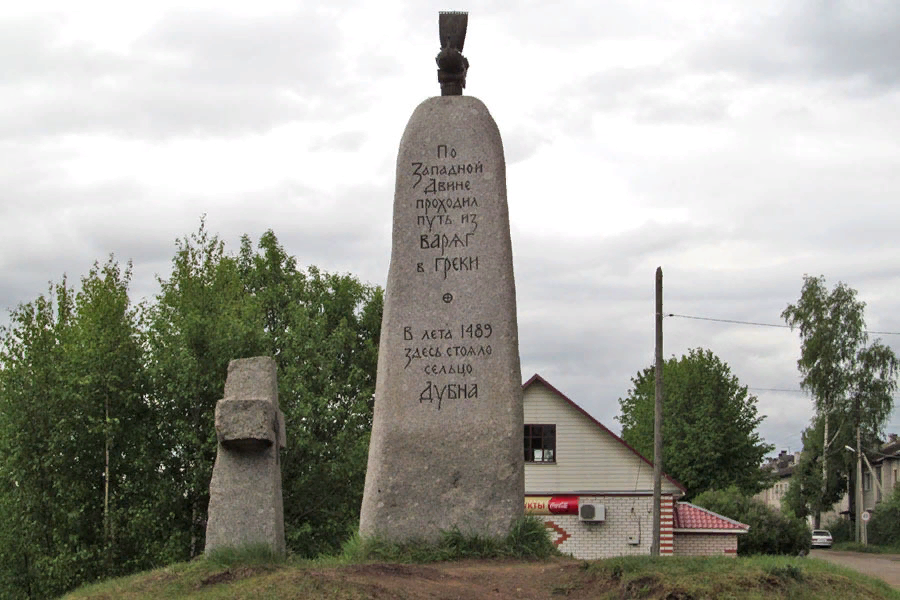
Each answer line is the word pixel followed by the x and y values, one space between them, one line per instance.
pixel 751 578
pixel 650 578
pixel 370 568
pixel 527 539
pixel 869 548
pixel 249 555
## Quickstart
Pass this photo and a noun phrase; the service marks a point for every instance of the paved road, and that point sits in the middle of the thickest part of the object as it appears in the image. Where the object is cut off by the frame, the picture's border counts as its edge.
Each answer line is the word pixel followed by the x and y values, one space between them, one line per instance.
pixel 885 566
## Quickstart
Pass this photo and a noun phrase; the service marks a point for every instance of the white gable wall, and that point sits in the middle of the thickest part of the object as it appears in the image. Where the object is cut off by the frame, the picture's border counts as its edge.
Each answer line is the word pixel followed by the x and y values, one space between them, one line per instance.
pixel 588 459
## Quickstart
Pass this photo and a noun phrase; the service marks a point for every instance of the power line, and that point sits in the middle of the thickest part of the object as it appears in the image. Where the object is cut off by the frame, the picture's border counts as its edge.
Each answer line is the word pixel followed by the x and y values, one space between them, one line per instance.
pixel 737 322
pixel 728 321
pixel 755 389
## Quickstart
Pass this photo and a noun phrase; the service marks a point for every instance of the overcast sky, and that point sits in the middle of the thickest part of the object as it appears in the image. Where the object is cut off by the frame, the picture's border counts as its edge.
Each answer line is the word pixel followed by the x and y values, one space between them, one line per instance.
pixel 739 145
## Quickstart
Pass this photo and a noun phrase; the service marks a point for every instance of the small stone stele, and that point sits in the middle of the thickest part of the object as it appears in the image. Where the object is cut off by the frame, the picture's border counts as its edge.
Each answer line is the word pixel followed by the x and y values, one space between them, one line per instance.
pixel 245 502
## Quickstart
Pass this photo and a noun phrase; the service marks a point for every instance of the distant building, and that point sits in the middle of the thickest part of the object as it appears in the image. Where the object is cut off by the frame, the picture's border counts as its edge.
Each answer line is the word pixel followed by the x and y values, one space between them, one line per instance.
pixel 885 470
pixel 594 491
pixel 783 468
pixel 885 464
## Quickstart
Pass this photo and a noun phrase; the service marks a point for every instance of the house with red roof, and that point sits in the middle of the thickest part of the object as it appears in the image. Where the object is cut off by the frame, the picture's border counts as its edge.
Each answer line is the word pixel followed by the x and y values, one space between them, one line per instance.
pixel 595 492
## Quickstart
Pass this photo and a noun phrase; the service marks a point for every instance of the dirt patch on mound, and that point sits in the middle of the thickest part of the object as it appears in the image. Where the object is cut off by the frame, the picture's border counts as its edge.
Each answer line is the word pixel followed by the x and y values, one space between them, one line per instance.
pixel 470 580
pixel 229 575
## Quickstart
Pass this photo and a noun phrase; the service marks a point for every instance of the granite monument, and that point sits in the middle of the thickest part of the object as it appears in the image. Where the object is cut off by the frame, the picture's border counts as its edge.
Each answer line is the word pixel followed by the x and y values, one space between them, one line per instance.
pixel 446 448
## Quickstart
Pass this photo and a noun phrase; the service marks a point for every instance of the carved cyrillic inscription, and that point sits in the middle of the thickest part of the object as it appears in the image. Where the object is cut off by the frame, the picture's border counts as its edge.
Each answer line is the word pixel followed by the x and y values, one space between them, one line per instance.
pixel 448 391
pixel 447 222
pixel 444 358
pixel 448 230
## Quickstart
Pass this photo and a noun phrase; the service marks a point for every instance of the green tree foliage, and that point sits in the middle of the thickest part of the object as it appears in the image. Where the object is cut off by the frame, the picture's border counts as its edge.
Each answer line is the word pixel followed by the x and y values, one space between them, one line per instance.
pixel 851 381
pixel 105 361
pixel 770 531
pixel 107 437
pixel 34 389
pixel 72 456
pixel 841 529
pixel 202 319
pixel 710 421
pixel 323 331
pixel 832 332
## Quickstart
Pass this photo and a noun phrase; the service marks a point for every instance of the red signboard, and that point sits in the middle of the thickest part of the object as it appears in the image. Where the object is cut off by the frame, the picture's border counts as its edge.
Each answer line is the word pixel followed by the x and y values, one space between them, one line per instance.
pixel 551 505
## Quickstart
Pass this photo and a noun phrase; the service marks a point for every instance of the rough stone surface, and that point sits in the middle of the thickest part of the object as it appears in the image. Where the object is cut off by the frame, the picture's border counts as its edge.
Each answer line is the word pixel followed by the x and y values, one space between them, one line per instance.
pixel 446 445
pixel 245 502
pixel 246 422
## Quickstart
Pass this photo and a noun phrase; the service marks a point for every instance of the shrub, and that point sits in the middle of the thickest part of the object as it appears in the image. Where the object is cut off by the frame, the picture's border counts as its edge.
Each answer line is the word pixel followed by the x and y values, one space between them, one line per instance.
pixel 841 530
pixel 770 531
pixel 884 527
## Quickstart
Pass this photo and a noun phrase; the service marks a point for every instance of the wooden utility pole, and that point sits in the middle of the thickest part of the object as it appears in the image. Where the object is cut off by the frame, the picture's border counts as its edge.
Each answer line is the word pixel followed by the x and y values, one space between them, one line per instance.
pixel 657 419
pixel 860 535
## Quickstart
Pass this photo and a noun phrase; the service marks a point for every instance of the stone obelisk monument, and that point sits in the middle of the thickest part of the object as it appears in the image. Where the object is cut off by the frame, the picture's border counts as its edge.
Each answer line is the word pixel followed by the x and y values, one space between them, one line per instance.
pixel 446 448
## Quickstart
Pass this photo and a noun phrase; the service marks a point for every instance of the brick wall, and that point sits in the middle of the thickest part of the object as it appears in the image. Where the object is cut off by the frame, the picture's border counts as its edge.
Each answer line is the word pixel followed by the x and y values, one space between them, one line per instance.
pixel 626 517
pixel 706 544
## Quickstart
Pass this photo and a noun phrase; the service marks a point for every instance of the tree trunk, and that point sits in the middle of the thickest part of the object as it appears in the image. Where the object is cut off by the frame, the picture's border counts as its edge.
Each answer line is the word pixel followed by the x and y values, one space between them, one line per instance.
pixel 193 529
pixel 106 527
pixel 825 444
pixel 859 488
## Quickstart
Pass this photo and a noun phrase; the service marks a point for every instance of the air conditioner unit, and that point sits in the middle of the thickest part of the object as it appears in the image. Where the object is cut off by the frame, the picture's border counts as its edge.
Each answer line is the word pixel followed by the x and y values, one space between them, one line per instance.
pixel 592 513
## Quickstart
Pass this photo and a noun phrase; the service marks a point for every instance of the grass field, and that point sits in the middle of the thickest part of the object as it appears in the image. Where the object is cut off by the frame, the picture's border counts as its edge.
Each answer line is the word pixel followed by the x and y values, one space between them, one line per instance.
pixel 671 578
pixel 869 548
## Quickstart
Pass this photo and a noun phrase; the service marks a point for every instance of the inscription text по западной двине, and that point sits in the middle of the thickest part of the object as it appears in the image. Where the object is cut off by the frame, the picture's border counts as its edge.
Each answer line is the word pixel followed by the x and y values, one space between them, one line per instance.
pixel 448 227
pixel 451 221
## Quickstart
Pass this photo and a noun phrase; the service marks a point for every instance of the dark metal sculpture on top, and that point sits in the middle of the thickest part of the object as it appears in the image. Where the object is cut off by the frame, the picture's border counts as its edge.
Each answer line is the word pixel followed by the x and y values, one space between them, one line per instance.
pixel 452 65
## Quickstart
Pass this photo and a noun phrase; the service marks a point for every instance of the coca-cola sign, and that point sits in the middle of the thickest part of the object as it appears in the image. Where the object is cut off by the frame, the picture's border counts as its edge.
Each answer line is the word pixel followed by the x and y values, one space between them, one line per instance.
pixel 551 505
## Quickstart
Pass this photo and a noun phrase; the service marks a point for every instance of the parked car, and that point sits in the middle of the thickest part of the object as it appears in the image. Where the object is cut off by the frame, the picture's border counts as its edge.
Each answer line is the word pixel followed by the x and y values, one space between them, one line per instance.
pixel 821 538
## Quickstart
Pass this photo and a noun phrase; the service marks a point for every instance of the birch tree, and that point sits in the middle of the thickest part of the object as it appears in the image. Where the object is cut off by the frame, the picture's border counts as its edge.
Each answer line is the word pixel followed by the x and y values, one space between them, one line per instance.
pixel 850 380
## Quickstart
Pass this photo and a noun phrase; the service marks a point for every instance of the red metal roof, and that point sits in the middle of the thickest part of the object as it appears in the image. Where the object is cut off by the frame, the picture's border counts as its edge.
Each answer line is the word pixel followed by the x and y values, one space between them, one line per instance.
pixel 689 516
pixel 537 378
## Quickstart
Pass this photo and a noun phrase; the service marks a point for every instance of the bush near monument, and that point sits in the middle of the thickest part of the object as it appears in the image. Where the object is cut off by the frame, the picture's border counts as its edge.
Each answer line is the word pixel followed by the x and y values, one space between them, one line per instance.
pixel 770 532
pixel 87 371
pixel 528 538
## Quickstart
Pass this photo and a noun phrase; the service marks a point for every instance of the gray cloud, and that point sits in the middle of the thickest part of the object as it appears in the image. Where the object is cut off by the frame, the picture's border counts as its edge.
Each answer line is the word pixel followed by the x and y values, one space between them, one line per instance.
pixel 193 74
pixel 847 41
pixel 347 141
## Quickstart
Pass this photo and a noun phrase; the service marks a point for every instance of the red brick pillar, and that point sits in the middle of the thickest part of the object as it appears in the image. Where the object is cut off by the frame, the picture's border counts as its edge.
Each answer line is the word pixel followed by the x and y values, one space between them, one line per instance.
pixel 667 526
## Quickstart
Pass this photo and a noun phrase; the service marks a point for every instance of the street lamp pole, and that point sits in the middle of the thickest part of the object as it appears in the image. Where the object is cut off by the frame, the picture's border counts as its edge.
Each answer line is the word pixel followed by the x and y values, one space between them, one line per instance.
pixel 858 494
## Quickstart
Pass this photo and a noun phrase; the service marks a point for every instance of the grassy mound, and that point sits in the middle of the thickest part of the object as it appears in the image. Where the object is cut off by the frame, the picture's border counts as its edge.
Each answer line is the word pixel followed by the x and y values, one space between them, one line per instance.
pixel 665 578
